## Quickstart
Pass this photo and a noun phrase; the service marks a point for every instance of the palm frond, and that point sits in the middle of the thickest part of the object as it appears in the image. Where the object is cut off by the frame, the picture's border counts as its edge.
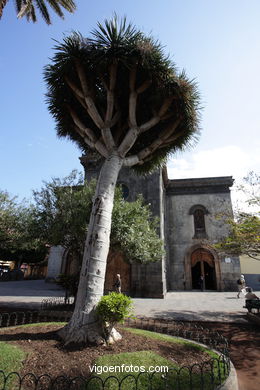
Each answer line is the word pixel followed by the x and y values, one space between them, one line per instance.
pixel 2 6
pixel 27 8
pixel 55 6
pixel 43 10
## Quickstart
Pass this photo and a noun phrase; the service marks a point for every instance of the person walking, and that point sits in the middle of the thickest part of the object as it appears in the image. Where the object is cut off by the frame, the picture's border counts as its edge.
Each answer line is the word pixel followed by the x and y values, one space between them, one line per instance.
pixel 117 284
pixel 241 284
pixel 201 282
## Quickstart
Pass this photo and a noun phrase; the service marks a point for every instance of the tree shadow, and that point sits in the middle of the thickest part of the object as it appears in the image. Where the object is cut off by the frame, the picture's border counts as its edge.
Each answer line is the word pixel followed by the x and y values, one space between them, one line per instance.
pixel 203 316
pixel 35 336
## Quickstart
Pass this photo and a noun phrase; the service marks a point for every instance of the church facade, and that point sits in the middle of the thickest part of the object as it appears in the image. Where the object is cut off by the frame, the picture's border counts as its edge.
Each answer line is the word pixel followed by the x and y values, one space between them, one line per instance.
pixel 192 214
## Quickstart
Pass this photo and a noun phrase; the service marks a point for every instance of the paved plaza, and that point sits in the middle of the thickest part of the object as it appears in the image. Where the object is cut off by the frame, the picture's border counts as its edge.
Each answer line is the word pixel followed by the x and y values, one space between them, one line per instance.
pixel 183 305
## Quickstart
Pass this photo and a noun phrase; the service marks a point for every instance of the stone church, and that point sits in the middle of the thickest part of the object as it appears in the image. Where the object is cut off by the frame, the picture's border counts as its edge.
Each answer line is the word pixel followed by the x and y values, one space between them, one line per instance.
pixel 192 215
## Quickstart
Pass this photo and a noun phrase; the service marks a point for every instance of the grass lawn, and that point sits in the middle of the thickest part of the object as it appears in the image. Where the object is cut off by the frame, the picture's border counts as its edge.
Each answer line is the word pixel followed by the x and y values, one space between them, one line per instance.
pixel 11 358
pixel 35 325
pixel 136 374
pixel 171 339
pixel 139 363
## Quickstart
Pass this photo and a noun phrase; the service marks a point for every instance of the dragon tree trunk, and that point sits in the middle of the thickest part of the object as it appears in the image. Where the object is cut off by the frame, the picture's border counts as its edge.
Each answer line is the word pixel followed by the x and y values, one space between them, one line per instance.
pixel 84 327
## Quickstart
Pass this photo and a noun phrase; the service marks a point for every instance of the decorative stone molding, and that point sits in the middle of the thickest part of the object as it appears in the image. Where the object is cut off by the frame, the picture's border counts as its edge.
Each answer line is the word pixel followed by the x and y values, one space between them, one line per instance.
pixel 207 185
pixel 187 265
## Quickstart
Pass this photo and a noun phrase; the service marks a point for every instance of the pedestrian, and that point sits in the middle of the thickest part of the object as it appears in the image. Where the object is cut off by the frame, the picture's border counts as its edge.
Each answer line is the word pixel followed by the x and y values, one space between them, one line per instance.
pixel 241 284
pixel 117 284
pixel 201 282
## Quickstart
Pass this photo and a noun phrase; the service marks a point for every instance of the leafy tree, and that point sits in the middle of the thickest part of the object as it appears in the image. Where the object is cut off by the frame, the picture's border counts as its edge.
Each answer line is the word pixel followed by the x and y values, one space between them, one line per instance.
pixel 62 209
pixel 62 212
pixel 250 187
pixel 8 220
pixel 134 231
pixel 28 8
pixel 116 93
pixel 18 239
pixel 244 237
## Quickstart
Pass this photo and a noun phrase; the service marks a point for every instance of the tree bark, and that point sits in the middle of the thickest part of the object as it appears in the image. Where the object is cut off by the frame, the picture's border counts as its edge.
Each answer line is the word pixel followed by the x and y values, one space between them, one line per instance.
pixel 84 327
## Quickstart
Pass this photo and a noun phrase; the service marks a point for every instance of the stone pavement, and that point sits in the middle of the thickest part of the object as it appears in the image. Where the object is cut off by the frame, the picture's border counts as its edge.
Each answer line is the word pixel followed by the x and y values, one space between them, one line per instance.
pixel 183 305
pixel 194 306
pixel 27 293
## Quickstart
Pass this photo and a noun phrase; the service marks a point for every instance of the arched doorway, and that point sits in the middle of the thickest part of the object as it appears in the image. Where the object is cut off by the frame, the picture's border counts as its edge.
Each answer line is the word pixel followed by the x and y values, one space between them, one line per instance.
pixel 117 265
pixel 202 263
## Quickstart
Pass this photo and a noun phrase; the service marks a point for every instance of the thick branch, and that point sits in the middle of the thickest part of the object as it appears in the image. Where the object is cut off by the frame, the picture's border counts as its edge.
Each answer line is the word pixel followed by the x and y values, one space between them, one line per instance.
pixel 110 92
pixel 141 158
pixel 92 110
pixel 144 86
pixel 108 138
pixel 132 109
pixel 169 140
pixel 131 160
pixel 156 119
pixel 132 98
pixel 132 78
pixel 86 139
pixel 156 144
pixel 77 93
pixel 119 131
pixel 100 147
pixel 128 141
pixel 106 130
pixel 74 88
pixel 115 119
pixel 86 131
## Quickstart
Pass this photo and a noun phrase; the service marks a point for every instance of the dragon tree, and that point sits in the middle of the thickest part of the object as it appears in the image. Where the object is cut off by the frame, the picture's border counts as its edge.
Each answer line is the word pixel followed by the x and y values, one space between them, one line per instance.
pixel 118 94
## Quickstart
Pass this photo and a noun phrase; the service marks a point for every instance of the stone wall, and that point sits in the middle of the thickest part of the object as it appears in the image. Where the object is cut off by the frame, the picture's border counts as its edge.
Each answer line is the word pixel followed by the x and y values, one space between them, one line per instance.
pixel 55 262
pixel 214 195
pixel 147 280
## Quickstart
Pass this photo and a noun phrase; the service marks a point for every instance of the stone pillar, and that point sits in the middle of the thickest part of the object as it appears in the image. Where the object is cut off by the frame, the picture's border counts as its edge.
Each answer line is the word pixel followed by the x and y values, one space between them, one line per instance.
pixel 54 262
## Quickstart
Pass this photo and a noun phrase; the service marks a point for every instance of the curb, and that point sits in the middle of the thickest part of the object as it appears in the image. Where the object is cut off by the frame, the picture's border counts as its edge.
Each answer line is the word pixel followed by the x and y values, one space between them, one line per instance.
pixel 231 382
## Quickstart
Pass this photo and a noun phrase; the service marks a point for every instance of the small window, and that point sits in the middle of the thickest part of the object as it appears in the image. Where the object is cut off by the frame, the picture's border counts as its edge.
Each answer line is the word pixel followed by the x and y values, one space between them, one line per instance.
pixel 198 213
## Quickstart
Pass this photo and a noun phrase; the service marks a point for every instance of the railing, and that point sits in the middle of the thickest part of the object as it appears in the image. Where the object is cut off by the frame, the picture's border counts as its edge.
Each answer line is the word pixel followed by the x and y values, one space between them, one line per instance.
pixel 57 303
pixel 207 375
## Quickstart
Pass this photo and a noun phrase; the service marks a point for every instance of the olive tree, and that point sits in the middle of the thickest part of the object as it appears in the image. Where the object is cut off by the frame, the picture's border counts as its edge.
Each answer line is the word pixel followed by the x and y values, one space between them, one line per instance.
pixel 62 211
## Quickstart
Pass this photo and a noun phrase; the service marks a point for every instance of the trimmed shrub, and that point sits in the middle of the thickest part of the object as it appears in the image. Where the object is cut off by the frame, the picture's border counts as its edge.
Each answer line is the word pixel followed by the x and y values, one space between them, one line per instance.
pixel 114 308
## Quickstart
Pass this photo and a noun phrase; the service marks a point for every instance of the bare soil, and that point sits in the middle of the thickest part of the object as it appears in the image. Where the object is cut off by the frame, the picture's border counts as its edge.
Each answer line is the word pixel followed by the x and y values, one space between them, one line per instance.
pixel 46 354
pixel 244 350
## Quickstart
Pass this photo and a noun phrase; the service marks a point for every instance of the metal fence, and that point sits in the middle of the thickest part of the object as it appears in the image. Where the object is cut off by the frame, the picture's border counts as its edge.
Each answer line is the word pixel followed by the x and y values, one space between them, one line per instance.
pixel 207 375
pixel 58 303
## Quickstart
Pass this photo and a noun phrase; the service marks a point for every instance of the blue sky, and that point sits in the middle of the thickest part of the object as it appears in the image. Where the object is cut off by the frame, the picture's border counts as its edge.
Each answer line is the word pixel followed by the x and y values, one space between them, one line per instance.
pixel 216 42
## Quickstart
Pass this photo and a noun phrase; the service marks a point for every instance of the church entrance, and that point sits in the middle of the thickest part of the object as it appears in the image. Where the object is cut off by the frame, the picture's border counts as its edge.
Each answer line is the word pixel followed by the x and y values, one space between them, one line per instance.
pixel 202 263
pixel 117 265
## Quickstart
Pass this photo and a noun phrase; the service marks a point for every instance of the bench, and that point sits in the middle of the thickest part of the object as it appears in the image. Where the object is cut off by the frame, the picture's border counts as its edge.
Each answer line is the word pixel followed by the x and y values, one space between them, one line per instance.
pixel 252 304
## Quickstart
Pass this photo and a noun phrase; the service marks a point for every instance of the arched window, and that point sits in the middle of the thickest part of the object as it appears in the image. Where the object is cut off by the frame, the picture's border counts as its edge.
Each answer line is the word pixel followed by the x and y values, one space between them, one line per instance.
pixel 198 212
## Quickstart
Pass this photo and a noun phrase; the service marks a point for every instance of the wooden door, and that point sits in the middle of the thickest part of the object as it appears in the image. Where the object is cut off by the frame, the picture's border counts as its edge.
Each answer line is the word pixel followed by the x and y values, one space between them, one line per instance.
pixel 202 263
pixel 117 265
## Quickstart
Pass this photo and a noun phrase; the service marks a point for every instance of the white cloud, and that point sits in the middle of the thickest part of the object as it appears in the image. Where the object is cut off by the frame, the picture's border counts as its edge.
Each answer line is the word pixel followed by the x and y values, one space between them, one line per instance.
pixel 226 161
